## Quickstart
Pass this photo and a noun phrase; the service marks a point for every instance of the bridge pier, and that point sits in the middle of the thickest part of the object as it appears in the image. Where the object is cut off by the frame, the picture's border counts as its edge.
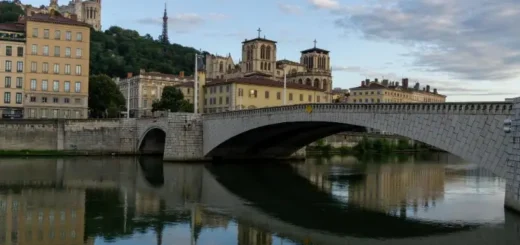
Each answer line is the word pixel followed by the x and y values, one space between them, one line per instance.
pixel 512 197
pixel 184 138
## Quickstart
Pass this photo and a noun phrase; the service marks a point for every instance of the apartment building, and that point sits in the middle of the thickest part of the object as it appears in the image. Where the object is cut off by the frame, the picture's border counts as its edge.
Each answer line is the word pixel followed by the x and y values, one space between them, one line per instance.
pixel 12 47
pixel 57 60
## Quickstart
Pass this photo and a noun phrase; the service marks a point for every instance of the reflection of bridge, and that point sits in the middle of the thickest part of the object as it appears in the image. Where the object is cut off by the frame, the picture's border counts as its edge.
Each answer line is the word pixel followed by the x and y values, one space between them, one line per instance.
pixel 216 189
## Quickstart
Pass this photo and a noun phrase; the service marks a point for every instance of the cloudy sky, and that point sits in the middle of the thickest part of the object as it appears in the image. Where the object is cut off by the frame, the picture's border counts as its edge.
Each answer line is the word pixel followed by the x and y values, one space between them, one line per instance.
pixel 468 49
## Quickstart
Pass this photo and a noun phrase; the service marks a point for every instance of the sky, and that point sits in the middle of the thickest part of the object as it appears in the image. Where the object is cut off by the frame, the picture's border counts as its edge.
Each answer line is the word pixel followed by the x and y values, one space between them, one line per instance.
pixel 467 49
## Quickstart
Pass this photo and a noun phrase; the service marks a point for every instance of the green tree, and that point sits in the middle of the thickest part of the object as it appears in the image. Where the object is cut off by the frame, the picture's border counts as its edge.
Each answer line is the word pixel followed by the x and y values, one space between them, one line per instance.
pixel 105 99
pixel 9 12
pixel 172 100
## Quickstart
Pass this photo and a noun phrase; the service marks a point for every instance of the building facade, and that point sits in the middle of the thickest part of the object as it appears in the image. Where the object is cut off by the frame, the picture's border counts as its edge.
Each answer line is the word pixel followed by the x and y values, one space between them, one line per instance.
pixel 258 58
pixel 392 92
pixel 58 55
pixel 86 11
pixel 147 87
pixel 12 61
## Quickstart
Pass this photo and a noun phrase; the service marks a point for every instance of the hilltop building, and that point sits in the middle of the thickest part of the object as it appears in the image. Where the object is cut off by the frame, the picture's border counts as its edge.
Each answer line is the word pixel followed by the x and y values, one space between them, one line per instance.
pixel 86 11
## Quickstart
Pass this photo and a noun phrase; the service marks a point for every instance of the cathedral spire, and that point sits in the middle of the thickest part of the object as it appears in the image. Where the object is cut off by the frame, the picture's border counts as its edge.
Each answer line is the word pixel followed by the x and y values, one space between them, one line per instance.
pixel 164 37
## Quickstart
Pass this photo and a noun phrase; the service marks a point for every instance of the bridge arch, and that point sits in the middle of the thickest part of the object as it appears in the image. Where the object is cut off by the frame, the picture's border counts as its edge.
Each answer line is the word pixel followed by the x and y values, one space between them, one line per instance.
pixel 472 131
pixel 152 141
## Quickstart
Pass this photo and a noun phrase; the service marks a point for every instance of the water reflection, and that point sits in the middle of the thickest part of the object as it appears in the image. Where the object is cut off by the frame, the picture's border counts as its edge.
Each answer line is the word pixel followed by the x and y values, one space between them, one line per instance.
pixel 335 201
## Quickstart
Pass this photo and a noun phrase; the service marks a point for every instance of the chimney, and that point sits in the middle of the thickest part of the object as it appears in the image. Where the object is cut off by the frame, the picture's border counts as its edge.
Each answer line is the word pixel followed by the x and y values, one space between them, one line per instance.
pixel 376 80
pixel 181 74
pixel 367 81
pixel 428 88
pixel 405 82
pixel 417 85
pixel 435 91
pixel 362 83
pixel 74 17
pixel 385 82
pixel 129 75
pixel 397 84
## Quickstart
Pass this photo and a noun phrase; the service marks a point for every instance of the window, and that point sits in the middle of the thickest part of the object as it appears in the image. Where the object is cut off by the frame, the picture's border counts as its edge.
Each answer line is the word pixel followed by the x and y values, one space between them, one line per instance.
pixel 67 69
pixel 240 92
pixel 57 35
pixel 68 35
pixel 301 97
pixel 34 66
pixel 8 66
pixel 44 100
pixel 67 52
pixel 57 51
pixel 46 33
pixel 77 101
pixel 290 96
pixel 220 100
pixel 46 50
pixel 318 99
pixel 55 100
pixel 78 70
pixel 45 85
pixel 56 69
pixel 45 67
pixel 66 100
pixel 33 99
pixel 56 86
pixel 19 66
pixel 19 82
pixel 7 97
pixel 79 53
pixel 18 98
pixel 267 94
pixel 310 98
pixel 19 51
pixel 79 36
pixel 77 89
pixel 35 32
pixel 227 100
pixel 33 84
pixel 278 95
pixel 8 51
pixel 7 82
pixel 67 86
pixel 253 93
pixel 34 49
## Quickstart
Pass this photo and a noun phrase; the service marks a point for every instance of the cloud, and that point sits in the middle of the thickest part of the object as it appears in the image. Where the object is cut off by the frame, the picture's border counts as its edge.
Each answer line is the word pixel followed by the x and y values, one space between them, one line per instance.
pixel 468 40
pixel 289 8
pixel 184 23
pixel 325 4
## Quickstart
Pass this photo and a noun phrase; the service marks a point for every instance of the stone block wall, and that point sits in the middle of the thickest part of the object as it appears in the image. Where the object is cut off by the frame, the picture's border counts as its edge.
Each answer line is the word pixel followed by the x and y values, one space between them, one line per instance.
pixel 512 197
pixel 184 137
pixel 87 136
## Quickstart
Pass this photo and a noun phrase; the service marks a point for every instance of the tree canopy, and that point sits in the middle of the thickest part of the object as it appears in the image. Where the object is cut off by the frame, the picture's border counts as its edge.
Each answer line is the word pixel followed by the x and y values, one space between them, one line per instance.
pixel 117 51
pixel 104 97
pixel 172 100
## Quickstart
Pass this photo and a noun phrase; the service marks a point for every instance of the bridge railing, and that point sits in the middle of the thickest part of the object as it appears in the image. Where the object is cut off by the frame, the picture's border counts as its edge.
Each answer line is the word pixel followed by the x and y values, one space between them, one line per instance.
pixel 495 108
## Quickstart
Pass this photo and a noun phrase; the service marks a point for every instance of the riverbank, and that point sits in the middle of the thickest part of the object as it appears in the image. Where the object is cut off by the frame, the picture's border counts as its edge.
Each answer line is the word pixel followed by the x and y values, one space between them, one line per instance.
pixel 55 153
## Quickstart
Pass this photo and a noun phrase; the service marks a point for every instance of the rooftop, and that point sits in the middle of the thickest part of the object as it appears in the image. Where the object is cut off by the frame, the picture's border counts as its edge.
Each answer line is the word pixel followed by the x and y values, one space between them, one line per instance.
pixel 55 18
pixel 12 27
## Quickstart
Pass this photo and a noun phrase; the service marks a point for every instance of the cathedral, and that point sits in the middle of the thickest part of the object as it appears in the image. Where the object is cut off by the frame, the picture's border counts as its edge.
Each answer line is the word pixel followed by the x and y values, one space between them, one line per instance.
pixel 259 59
pixel 87 11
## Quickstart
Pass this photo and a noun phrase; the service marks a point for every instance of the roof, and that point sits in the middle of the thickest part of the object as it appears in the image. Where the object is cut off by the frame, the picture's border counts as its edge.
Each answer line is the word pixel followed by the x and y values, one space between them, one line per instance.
pixel 171 76
pixel 317 50
pixel 289 62
pixel 258 39
pixel 261 82
pixel 55 19
pixel 374 85
pixel 13 27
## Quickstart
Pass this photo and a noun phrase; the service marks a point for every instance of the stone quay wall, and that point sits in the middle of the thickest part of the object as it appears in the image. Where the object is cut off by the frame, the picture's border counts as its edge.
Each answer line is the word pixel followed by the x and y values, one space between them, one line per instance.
pixel 86 136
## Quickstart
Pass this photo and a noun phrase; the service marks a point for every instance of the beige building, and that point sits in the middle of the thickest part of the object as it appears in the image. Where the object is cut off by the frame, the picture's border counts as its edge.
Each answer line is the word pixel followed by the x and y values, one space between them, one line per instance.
pixel 86 11
pixel 147 87
pixel 392 92
pixel 257 92
pixel 57 67
pixel 259 59
pixel 12 61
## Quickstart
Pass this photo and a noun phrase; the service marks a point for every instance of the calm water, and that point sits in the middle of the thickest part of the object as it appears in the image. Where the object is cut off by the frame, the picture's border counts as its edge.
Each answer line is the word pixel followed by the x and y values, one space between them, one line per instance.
pixel 437 199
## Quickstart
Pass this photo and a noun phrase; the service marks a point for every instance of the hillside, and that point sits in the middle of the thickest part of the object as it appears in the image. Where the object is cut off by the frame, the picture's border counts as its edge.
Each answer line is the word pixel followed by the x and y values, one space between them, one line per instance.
pixel 117 51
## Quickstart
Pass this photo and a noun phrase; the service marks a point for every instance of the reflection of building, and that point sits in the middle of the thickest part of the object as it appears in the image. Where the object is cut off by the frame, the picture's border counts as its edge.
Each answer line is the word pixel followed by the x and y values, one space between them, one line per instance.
pixel 390 187
pixel 318 175
pixel 85 11
pixel 248 235
pixel 43 217
pixel 147 203
pixel 392 92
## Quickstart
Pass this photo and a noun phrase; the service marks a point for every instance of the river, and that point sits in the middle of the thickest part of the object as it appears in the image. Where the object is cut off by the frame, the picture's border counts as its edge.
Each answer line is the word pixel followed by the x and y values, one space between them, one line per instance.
pixel 405 199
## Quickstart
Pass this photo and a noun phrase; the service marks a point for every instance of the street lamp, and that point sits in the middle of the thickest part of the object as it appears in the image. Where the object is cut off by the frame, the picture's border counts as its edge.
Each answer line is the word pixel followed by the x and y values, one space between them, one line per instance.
pixel 196 84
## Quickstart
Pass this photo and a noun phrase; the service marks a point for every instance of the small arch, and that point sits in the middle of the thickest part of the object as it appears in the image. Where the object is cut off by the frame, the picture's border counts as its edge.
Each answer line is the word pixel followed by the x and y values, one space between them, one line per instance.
pixel 268 52
pixel 261 65
pixel 268 66
pixel 316 83
pixel 221 67
pixel 262 52
pixel 300 81
pixel 293 71
pixel 152 142
pixel 308 82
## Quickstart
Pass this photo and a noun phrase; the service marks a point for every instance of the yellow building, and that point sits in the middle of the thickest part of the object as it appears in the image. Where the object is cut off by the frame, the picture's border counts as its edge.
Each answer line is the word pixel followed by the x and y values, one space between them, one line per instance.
pixel 12 47
pixel 393 92
pixel 57 58
pixel 257 92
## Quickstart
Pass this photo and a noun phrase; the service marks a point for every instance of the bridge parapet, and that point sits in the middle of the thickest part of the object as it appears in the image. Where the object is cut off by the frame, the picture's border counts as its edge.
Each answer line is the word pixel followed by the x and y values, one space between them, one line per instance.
pixel 468 108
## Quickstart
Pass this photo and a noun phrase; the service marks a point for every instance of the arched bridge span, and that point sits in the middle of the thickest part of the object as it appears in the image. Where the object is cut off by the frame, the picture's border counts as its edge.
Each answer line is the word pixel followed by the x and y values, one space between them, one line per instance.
pixel 473 131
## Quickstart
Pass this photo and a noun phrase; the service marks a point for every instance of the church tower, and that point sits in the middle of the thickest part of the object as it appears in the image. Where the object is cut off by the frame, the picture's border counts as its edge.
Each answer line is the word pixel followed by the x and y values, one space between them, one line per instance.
pixel 164 36
pixel 259 56
pixel 316 59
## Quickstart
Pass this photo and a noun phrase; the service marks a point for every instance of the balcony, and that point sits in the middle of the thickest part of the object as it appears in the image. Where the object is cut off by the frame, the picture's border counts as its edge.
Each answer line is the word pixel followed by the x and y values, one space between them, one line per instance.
pixel 14 37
